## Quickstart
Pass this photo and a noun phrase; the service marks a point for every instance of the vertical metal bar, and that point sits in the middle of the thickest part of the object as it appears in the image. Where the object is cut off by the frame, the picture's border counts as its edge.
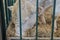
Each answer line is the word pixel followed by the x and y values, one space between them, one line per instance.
pixel 8 15
pixel 20 19
pixel 36 19
pixel 6 12
pixel 53 17
pixel 3 21
pixel 12 2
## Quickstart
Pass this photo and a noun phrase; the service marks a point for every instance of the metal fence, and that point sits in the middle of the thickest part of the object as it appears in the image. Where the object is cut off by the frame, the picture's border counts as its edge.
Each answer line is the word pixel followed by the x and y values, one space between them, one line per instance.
pixel 7 18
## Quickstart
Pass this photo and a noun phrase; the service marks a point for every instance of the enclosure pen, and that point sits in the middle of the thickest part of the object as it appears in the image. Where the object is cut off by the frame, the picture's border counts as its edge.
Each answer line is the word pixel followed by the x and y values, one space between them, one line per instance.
pixel 36 19
pixel 3 21
pixel 4 27
pixel 20 19
pixel 53 17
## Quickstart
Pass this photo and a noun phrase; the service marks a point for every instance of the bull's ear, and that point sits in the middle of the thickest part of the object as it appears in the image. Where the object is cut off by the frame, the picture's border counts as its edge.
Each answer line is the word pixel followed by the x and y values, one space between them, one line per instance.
pixel 10 7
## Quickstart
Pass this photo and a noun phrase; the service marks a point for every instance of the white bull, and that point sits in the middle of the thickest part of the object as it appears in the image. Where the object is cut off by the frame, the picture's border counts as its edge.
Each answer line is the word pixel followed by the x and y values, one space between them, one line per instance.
pixel 28 20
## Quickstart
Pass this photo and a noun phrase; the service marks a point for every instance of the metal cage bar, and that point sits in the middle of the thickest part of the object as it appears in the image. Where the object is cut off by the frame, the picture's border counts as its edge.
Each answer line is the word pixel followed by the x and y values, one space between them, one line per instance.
pixel 36 19
pixel 20 19
pixel 3 21
pixel 53 17
pixel 6 10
